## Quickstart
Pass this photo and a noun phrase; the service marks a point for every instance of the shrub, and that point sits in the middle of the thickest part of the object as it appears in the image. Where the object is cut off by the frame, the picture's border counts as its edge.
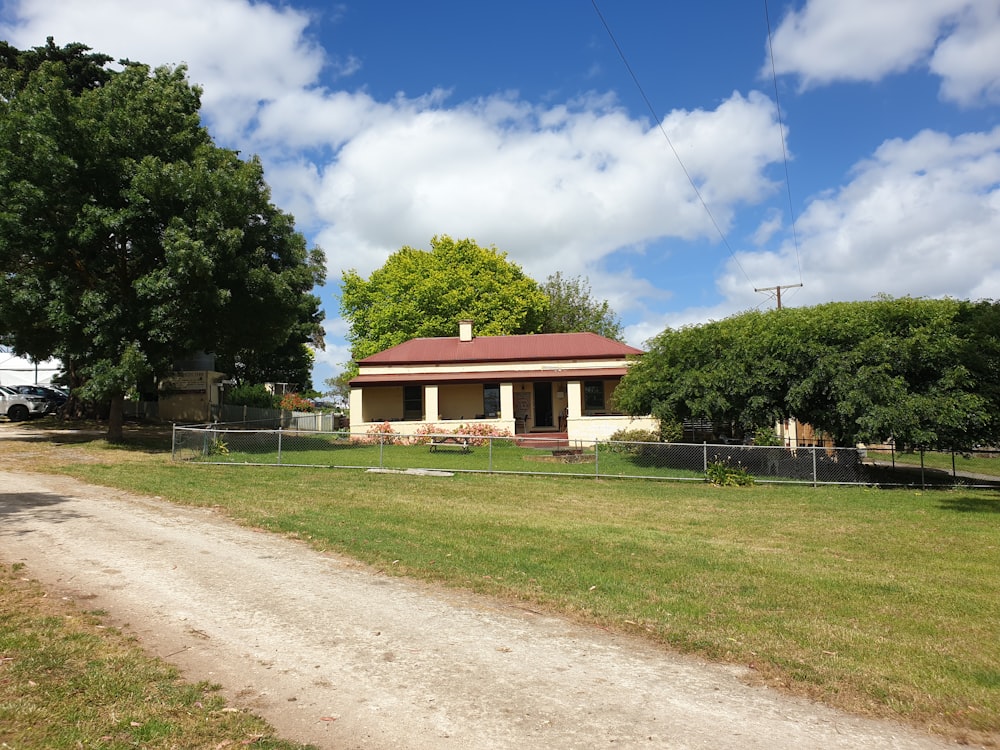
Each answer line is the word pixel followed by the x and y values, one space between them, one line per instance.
pixel 251 395
pixel 766 436
pixel 296 402
pixel 621 441
pixel 482 433
pixel 381 433
pixel 724 474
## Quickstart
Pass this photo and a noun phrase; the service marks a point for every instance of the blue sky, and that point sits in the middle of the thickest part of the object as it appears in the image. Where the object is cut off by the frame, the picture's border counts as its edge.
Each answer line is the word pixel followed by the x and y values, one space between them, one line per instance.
pixel 384 123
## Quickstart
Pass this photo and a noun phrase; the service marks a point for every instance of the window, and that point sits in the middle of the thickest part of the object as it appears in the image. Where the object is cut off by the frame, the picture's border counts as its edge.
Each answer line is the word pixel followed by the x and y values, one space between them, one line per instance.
pixel 413 402
pixel 593 395
pixel 491 400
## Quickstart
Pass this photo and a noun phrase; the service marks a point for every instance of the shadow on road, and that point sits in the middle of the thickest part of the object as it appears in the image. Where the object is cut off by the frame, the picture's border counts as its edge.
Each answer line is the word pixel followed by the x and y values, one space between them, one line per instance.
pixel 39 505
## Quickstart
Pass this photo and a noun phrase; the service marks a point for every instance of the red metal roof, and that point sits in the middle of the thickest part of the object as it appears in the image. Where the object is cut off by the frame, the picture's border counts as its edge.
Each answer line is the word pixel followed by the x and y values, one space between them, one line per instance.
pixel 527 348
pixel 492 376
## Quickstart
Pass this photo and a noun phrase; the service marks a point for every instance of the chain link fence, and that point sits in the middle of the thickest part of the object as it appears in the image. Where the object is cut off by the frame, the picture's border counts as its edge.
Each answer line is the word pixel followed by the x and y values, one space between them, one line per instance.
pixel 227 444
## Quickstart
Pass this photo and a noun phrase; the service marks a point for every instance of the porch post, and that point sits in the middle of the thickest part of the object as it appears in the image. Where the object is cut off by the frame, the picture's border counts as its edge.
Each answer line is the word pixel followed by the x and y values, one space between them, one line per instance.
pixel 507 405
pixel 574 399
pixel 356 405
pixel 574 407
pixel 431 409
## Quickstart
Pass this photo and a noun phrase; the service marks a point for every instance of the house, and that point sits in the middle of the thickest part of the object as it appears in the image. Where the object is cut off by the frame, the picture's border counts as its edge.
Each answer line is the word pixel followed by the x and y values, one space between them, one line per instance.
pixel 559 383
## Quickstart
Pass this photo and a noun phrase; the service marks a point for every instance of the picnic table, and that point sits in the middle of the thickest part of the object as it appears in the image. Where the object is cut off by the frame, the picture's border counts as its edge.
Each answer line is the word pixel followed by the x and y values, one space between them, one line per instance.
pixel 448 442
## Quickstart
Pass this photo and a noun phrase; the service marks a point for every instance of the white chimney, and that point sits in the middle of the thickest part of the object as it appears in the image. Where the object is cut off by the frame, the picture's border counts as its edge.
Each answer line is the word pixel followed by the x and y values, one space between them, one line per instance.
pixel 465 330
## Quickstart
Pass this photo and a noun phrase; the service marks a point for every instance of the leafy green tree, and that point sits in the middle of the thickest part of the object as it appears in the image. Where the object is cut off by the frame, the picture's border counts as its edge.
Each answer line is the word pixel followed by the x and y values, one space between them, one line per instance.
pixel 339 389
pixel 127 238
pixel 291 363
pixel 420 293
pixel 572 308
pixel 923 372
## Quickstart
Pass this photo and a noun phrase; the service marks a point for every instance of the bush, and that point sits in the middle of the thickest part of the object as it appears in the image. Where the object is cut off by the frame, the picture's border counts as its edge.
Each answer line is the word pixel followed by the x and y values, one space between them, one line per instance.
pixel 619 438
pixel 483 432
pixel 766 436
pixel 295 402
pixel 381 433
pixel 724 474
pixel 251 395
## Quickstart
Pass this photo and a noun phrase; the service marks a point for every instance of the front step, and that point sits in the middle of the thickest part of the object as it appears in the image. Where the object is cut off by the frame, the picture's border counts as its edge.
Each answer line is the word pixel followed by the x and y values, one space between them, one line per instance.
pixel 543 440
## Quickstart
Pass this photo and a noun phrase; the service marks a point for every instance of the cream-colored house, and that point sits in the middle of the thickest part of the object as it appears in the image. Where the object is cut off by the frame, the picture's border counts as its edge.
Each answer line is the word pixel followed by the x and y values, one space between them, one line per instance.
pixel 545 384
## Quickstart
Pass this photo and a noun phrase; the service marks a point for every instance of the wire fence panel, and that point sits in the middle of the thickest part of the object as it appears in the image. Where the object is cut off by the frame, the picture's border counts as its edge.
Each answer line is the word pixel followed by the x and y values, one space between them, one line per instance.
pixel 220 443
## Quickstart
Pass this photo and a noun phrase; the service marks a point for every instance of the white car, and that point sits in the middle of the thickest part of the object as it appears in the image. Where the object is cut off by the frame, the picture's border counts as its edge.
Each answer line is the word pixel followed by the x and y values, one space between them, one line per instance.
pixel 21 406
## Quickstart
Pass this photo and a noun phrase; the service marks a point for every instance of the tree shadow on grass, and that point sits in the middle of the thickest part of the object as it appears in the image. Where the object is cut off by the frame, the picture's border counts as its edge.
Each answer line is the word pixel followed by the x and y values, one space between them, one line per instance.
pixel 987 502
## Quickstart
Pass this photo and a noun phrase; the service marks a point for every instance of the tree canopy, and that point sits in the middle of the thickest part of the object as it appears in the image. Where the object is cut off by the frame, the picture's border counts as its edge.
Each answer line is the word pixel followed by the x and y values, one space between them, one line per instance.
pixel 420 293
pixel 572 308
pixel 127 238
pixel 923 372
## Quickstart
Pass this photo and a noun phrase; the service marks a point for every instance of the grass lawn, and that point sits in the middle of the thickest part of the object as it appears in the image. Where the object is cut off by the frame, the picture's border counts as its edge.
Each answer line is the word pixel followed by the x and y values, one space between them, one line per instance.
pixel 987 464
pixel 67 681
pixel 882 602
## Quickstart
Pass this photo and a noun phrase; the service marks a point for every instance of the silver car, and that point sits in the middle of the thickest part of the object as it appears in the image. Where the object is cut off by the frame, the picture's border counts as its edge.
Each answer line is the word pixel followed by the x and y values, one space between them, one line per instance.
pixel 21 406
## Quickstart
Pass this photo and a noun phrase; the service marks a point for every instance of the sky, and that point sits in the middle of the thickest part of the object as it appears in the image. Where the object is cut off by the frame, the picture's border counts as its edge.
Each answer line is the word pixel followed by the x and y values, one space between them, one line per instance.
pixel 671 155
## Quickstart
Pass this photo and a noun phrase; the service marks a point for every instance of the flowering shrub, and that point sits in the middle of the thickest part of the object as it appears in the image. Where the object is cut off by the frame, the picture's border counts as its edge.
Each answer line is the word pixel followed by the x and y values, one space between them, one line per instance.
pixel 425 434
pixel 381 433
pixel 480 433
pixel 295 402
pixel 724 474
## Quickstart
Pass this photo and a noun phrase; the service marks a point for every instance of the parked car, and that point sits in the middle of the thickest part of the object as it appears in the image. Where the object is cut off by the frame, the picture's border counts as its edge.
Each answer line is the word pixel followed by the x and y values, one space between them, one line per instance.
pixel 54 396
pixel 21 406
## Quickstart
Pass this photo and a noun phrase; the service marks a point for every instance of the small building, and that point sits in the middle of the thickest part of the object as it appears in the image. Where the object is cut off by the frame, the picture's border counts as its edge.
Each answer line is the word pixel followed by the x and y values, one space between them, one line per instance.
pixel 544 383
pixel 190 395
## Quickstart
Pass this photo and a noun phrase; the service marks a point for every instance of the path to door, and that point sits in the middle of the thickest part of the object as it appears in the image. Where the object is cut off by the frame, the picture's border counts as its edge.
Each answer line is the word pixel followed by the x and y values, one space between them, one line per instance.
pixel 339 655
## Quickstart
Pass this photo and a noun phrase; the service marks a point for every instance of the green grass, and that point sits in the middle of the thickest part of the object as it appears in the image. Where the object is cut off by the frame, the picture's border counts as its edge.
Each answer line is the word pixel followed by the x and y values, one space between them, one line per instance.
pixel 67 681
pixel 987 464
pixel 883 602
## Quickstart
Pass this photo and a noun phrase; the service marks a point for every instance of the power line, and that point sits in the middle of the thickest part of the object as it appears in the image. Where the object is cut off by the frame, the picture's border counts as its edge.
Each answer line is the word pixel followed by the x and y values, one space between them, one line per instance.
pixel 784 151
pixel 659 124
pixel 777 290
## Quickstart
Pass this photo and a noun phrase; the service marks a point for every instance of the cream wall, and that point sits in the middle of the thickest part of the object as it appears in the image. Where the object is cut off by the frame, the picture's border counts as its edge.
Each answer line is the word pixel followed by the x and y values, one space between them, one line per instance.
pixel 459 401
pixel 381 404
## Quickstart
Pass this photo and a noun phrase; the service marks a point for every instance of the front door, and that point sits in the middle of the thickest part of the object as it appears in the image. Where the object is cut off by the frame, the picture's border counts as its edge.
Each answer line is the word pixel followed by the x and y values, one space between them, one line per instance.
pixel 543 405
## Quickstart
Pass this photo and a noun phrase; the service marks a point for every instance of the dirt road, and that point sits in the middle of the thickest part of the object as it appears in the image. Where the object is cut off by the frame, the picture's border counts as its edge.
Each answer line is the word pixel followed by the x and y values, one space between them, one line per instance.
pixel 338 655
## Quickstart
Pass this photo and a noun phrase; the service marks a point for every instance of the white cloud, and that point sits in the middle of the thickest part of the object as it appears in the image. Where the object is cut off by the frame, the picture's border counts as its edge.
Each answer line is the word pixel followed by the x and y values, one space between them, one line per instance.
pixel 919 218
pixel 866 40
pixel 240 52
pixel 559 188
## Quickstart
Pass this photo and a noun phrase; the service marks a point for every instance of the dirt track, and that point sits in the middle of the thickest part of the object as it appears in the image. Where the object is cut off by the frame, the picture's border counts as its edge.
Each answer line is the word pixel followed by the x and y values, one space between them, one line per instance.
pixel 338 655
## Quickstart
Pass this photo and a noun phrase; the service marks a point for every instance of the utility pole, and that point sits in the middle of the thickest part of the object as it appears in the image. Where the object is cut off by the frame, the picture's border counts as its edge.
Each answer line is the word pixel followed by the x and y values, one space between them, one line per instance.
pixel 777 290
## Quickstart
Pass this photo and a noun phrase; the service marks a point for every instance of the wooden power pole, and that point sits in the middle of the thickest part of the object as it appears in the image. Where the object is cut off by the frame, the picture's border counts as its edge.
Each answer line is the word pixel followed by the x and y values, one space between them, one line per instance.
pixel 777 290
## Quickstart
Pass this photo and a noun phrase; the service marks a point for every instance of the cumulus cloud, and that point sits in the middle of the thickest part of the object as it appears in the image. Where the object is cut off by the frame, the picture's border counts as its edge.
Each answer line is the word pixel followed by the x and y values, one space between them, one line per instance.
pixel 866 40
pixel 559 188
pixel 920 218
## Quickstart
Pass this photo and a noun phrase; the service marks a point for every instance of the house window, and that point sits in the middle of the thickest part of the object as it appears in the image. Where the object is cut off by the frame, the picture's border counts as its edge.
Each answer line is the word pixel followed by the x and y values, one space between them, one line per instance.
pixel 413 402
pixel 593 395
pixel 491 400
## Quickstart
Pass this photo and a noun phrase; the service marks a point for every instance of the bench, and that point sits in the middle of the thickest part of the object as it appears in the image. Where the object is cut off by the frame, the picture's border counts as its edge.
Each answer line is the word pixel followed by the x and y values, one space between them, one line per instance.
pixel 448 442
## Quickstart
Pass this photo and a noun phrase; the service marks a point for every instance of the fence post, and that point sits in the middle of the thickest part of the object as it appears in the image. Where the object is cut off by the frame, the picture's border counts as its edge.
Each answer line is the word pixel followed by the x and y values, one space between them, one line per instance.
pixel 923 484
pixel 491 438
pixel 381 449
pixel 279 446
pixel 173 442
pixel 814 465
pixel 704 456
pixel 597 460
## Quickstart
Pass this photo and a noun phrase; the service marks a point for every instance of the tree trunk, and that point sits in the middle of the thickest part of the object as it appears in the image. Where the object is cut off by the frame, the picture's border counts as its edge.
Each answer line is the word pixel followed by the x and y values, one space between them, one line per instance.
pixel 116 419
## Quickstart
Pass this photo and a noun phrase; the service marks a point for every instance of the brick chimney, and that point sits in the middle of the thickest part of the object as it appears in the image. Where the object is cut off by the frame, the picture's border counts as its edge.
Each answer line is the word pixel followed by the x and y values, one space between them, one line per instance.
pixel 465 330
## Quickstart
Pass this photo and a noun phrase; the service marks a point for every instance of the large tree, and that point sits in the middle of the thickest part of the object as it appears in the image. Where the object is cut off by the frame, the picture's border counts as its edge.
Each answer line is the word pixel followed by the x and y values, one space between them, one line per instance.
pixel 127 238
pixel 572 308
pixel 420 293
pixel 923 372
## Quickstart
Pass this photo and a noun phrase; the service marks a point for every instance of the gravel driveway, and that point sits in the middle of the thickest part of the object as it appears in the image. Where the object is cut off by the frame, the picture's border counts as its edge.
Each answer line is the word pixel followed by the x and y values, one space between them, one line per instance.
pixel 342 656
